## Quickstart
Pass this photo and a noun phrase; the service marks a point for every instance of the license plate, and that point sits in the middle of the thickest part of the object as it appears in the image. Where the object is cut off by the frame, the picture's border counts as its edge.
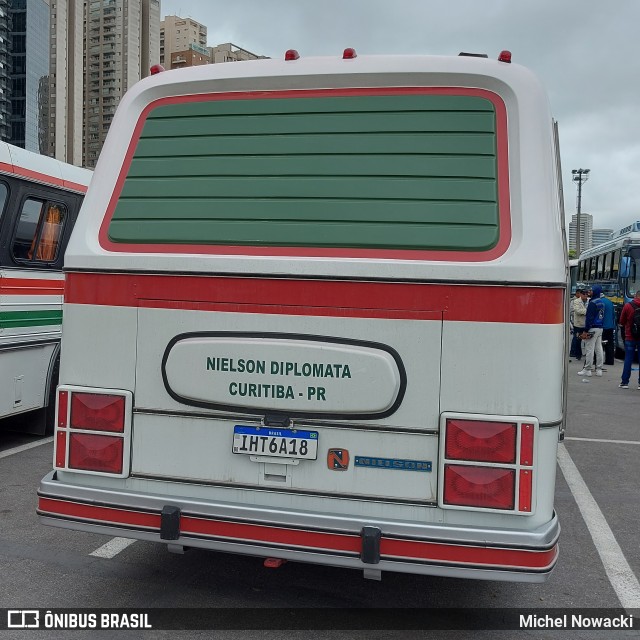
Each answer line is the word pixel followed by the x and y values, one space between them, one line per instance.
pixel 274 442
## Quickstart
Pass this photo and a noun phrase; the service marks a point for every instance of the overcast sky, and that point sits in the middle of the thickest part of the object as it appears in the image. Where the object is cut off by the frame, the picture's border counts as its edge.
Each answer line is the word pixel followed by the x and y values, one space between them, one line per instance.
pixel 586 52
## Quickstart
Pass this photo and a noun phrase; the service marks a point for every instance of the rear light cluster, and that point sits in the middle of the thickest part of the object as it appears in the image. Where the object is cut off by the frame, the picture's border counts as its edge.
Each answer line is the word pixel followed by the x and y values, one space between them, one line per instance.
pixel 487 464
pixel 93 429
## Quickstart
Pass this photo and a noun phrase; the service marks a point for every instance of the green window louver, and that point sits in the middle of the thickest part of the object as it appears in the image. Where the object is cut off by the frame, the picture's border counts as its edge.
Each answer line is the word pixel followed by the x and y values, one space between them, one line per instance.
pixel 415 172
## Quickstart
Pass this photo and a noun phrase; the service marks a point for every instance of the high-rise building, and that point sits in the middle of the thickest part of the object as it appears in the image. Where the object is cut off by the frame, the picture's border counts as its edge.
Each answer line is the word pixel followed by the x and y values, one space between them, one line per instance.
pixel 176 36
pixel 586 231
pixel 66 81
pixel 24 73
pixel 5 101
pixel 103 47
pixel 600 235
pixel 121 42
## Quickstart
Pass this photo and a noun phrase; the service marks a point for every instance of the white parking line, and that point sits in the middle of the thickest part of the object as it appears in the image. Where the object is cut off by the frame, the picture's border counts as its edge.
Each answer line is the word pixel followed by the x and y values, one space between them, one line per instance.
pixel 24 447
pixel 112 548
pixel 620 575
pixel 599 440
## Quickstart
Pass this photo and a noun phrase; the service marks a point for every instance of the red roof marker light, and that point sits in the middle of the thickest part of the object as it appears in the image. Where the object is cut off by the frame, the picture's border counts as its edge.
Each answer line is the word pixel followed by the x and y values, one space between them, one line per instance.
pixel 156 68
pixel 291 54
pixel 505 56
pixel 349 54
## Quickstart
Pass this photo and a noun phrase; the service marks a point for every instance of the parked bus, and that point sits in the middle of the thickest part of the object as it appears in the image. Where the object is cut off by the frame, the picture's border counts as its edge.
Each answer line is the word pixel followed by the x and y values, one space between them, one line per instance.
pixel 39 201
pixel 615 265
pixel 573 275
pixel 315 311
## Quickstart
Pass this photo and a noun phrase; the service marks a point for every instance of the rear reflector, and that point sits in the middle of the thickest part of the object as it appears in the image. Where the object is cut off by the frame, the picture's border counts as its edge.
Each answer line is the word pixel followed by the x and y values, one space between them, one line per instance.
pixel 487 487
pixel 524 498
pixel 89 452
pixel 60 449
pixel 481 441
pixel 98 412
pixel 63 406
pixel 526 445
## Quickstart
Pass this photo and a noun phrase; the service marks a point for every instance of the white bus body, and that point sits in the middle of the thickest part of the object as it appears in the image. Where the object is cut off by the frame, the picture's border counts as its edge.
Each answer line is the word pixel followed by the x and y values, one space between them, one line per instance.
pixel 39 201
pixel 315 310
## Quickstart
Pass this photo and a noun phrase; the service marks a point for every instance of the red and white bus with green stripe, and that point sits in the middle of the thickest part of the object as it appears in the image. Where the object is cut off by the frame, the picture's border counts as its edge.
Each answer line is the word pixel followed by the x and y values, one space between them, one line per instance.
pixel 39 201
pixel 315 311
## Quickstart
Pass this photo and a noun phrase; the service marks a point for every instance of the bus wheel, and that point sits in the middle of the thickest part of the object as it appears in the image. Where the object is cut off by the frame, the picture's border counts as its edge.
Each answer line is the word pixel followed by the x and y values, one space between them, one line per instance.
pixel 50 409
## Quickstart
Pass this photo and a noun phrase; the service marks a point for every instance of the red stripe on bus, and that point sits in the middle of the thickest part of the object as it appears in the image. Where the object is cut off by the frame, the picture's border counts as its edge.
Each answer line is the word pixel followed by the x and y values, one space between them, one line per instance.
pixel 436 552
pixel 465 302
pixel 113 515
pixel 42 177
pixel 31 287
pixel 275 535
pixel 502 156
pixel 390 548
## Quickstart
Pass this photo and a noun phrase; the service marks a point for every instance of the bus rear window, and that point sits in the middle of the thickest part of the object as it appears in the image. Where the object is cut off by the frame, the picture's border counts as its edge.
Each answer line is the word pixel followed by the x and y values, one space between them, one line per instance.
pixel 415 172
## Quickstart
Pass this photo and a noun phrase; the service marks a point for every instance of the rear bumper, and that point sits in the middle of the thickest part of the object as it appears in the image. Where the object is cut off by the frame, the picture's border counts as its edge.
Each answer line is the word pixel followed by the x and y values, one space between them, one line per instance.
pixel 428 549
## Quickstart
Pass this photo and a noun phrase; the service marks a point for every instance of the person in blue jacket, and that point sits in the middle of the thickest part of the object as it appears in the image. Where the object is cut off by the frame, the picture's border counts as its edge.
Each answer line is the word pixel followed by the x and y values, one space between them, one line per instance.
pixel 608 331
pixel 593 327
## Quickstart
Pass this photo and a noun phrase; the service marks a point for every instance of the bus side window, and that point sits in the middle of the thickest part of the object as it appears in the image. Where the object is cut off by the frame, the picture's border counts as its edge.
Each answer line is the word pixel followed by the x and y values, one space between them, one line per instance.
pixel 38 233
pixel 616 264
pixel 608 257
pixel 4 191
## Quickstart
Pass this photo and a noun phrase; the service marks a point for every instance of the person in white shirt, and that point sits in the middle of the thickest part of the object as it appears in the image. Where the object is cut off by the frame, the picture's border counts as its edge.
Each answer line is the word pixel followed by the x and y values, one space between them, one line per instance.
pixel 578 313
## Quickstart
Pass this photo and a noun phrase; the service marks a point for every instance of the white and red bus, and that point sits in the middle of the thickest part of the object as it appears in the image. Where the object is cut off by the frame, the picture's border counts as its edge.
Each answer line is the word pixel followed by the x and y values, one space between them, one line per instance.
pixel 39 201
pixel 315 311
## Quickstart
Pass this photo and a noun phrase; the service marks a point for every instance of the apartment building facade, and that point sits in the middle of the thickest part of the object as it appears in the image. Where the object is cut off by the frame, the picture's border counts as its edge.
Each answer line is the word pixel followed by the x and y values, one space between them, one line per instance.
pixel 229 52
pixel 102 48
pixel 121 42
pixel 586 231
pixel 177 35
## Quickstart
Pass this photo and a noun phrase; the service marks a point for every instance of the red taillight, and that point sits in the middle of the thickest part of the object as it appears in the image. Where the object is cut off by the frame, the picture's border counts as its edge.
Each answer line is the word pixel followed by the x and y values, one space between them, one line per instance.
pixel 98 412
pixel 488 463
pixel 63 405
pixel 84 416
pixel 349 53
pixel 471 486
pixel 291 54
pixel 481 441
pixel 156 68
pixel 505 56
pixel 90 452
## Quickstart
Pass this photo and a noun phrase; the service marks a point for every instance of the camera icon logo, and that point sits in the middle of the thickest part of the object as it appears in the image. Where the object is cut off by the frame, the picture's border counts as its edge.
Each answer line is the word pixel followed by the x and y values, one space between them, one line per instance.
pixel 23 619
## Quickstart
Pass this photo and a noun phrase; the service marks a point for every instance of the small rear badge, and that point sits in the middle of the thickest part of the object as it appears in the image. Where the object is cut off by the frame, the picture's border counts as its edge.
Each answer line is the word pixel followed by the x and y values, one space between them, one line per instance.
pixel 393 463
pixel 338 459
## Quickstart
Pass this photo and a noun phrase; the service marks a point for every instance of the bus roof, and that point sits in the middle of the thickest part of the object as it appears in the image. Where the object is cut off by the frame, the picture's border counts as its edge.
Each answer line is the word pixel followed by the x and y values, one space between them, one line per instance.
pixel 39 168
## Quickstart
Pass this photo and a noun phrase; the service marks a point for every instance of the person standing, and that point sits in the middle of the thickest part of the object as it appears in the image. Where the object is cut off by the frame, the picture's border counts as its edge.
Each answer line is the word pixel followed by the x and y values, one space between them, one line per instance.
pixel 594 321
pixel 577 314
pixel 608 331
pixel 628 317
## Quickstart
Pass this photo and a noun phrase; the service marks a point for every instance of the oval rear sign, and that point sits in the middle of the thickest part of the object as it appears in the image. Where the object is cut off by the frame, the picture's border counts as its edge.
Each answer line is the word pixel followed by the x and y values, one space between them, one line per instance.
pixel 290 374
